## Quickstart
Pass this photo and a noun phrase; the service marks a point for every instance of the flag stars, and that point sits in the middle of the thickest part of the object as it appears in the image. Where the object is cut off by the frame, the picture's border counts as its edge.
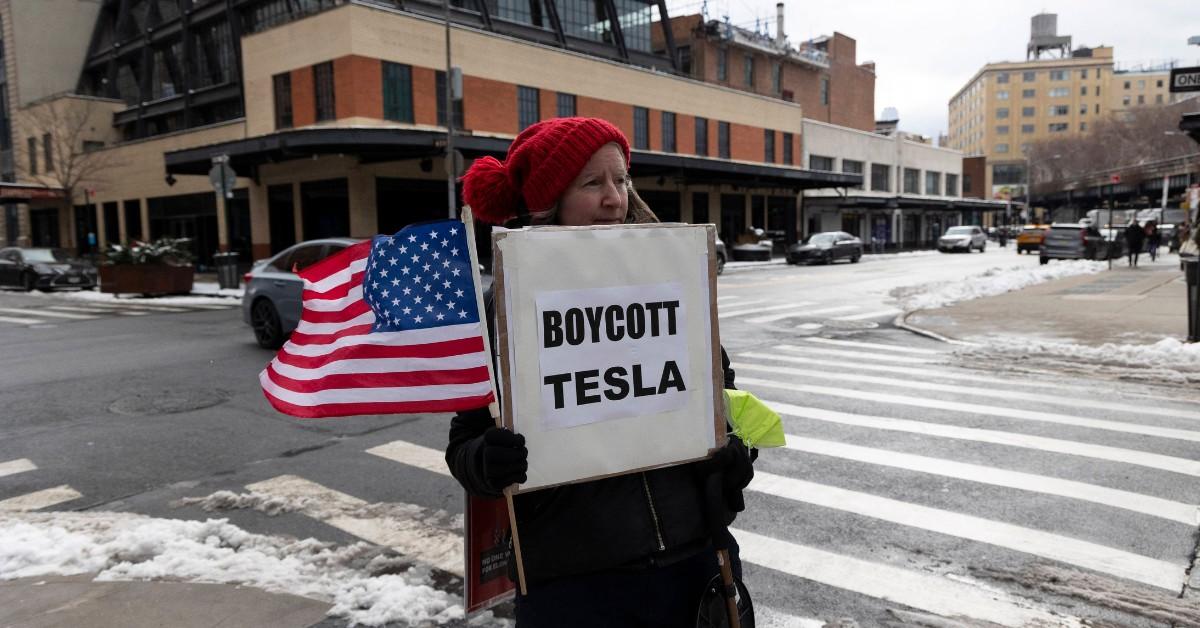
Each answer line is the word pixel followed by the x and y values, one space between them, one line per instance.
pixel 436 255
pixel 404 270
pixel 427 287
pixel 453 231
pixel 450 305
pixel 407 291
pixel 445 242
pixel 446 285
pixel 385 294
pixel 416 258
pixel 417 319
pixel 433 235
pixel 395 302
pixel 428 308
pixel 446 264
pixel 454 272
pixel 462 313
pixel 458 293
pixel 454 252
pixel 440 316
pixel 403 249
pixel 417 299
pixel 438 296
pixel 374 285
pixel 407 311
pixel 396 282
pixel 391 240
pixel 425 268
pixel 412 238
pixel 393 261
pixel 383 272
pixel 424 246
pixel 437 275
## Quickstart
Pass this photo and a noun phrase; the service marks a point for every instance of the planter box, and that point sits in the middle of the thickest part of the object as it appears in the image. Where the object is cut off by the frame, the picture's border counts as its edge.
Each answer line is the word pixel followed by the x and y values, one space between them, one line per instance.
pixel 148 279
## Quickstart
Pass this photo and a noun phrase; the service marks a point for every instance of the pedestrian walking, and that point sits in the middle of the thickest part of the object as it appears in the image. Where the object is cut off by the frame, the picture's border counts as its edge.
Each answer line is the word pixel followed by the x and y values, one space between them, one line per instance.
pixel 1153 239
pixel 1135 238
pixel 630 550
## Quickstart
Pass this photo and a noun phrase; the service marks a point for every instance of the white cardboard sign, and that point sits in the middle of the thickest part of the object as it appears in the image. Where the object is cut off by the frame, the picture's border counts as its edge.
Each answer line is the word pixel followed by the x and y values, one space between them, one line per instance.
pixel 608 354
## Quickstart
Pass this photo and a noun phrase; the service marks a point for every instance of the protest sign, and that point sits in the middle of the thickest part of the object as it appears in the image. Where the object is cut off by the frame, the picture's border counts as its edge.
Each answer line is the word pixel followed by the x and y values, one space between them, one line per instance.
pixel 609 360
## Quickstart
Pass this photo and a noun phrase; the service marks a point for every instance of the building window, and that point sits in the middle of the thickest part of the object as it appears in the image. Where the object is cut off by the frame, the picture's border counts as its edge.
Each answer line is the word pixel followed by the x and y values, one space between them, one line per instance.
pixel 951 184
pixel 1158 83
pixel 1059 110
pixel 566 105
pixel 1028 93
pixel 702 136
pixel 1008 174
pixel 397 92
pixel 1058 75
pixel 818 162
pixel 825 90
pixel 1002 113
pixel 1002 77
pixel 787 149
pixel 1029 77
pixel 1082 126
pixel 722 64
pixel 769 146
pixel 1001 148
pixel 1127 84
pixel 282 84
pixel 1083 90
pixel 1002 129
pixel 683 55
pixel 1141 84
pixel 1125 100
pixel 323 89
pixel 1024 149
pixel 776 77
pixel 1058 127
pixel 849 166
pixel 48 152
pixel 933 183
pixel 668 131
pixel 439 85
pixel 1058 92
pixel 879 178
pixel 1141 99
pixel 641 128
pixel 32 144
pixel 723 140
pixel 90 146
pixel 912 181
pixel 966 183
pixel 748 70
pixel 1002 95
pixel 1097 90
pixel 528 112
pixel 1083 110
pixel 1158 98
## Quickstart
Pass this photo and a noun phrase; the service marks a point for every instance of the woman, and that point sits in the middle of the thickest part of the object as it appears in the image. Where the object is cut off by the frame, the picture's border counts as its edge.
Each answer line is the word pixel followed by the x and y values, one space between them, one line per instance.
pixel 1134 238
pixel 1153 239
pixel 632 550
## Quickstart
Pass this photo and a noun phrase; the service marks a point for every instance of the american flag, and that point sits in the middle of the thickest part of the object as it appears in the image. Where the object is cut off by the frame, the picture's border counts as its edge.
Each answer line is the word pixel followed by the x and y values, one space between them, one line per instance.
pixel 389 326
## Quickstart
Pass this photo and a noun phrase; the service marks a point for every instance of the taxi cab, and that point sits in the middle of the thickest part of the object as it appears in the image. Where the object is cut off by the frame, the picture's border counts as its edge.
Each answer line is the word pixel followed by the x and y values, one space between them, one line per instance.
pixel 1031 237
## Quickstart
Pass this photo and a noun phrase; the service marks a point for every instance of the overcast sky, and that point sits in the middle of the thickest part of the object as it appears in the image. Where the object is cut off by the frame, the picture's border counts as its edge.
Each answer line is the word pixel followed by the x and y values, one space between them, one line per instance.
pixel 925 50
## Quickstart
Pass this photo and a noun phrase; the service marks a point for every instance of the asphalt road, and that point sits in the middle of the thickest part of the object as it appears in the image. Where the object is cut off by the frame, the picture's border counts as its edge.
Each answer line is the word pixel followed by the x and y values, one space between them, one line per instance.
pixel 912 489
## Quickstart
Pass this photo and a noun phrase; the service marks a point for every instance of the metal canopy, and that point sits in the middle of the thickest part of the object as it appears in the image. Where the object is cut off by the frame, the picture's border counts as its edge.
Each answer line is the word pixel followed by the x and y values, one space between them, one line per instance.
pixel 912 203
pixel 370 145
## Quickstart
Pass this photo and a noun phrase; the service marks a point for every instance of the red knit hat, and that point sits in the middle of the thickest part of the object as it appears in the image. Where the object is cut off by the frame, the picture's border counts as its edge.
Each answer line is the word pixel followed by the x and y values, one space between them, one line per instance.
pixel 541 163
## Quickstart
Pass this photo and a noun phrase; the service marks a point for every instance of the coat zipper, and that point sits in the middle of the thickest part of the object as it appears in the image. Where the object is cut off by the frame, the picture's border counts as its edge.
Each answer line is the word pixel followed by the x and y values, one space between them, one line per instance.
pixel 653 514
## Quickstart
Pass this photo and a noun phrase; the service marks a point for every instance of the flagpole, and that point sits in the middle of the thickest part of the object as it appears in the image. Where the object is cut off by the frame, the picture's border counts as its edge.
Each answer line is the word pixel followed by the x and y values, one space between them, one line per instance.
pixel 494 407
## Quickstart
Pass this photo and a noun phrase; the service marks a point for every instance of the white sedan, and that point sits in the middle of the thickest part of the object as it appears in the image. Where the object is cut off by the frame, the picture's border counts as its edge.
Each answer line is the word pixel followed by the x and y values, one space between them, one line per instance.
pixel 962 239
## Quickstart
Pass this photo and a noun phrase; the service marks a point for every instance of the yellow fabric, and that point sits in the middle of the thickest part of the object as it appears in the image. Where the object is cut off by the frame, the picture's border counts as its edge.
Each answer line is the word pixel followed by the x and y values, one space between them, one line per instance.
pixel 752 421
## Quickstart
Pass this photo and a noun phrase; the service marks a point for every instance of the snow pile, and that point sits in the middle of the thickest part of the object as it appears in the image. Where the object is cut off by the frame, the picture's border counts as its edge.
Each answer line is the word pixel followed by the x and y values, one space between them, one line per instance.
pixel 992 282
pixel 122 546
pixel 1167 360
pixel 208 288
pixel 95 295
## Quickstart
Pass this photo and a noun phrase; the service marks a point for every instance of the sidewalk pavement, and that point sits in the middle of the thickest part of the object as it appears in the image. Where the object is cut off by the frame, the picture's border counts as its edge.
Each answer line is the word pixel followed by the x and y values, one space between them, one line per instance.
pixel 77 601
pixel 1125 305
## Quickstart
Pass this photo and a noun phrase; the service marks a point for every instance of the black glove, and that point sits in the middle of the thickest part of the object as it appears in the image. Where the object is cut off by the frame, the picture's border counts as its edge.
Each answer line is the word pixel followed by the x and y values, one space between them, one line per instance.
pixel 735 465
pixel 503 458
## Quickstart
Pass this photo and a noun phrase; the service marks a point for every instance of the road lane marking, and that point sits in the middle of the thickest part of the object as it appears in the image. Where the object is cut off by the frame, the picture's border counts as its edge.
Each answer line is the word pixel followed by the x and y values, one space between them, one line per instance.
pixel 136 306
pixel 802 312
pixel 868 315
pixel 755 310
pixel 1040 443
pixel 991 391
pixel 873 345
pixel 13 467
pixel 414 455
pixel 21 321
pixel 1188 514
pixel 408 535
pixel 924 591
pixel 40 499
pixel 956 406
pixel 94 310
pixel 43 312
pixel 1109 560
pixel 874 357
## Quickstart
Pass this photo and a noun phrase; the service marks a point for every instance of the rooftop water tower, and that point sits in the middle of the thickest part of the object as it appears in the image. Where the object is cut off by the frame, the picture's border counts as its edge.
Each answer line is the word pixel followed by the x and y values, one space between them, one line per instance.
pixel 1044 38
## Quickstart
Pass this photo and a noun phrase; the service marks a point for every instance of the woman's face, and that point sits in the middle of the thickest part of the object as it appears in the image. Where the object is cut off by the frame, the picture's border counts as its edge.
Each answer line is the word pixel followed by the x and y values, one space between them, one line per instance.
pixel 599 195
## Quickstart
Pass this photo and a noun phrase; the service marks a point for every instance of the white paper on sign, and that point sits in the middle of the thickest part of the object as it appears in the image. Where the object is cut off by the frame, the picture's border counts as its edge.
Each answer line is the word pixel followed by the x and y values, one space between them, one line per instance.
pixel 611 353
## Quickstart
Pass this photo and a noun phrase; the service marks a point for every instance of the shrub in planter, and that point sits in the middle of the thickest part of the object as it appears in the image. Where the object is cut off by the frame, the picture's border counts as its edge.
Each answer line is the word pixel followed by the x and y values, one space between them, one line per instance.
pixel 150 268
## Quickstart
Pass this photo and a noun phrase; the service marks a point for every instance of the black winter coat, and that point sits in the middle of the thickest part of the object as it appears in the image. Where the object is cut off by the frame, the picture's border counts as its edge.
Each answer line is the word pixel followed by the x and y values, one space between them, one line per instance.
pixel 632 521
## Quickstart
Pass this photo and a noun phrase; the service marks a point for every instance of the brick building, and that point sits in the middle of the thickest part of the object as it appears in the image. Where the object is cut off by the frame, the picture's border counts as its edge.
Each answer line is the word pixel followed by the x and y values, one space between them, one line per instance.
pixel 333 115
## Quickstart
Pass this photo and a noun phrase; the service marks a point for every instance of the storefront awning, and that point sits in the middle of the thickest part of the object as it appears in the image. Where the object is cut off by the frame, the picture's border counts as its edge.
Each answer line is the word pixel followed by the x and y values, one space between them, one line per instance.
pixel 23 193
pixel 911 203
pixel 371 145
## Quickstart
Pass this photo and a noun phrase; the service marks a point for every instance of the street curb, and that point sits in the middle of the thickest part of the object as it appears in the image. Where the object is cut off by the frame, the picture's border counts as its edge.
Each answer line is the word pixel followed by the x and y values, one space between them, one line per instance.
pixel 901 321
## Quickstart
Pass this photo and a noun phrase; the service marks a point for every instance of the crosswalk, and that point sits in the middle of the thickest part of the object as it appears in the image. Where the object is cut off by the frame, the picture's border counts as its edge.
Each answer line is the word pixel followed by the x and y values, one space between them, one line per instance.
pixel 59 312
pixel 803 315
pixel 904 482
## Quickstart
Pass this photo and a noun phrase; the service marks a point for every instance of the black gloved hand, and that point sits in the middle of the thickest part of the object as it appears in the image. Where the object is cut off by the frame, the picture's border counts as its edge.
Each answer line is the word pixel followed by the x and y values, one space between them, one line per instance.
pixel 734 463
pixel 503 458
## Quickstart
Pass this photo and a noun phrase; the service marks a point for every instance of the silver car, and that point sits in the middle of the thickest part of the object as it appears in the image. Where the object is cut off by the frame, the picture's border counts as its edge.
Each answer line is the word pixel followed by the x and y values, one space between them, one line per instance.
pixel 271 303
pixel 964 238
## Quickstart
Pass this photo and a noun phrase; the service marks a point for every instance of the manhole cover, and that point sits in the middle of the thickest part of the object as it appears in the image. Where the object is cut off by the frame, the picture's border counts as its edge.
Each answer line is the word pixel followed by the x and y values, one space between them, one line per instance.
pixel 166 402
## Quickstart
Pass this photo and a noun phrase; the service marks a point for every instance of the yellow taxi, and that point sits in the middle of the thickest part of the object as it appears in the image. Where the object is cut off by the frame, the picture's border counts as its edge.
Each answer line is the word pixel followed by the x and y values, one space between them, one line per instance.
pixel 1031 237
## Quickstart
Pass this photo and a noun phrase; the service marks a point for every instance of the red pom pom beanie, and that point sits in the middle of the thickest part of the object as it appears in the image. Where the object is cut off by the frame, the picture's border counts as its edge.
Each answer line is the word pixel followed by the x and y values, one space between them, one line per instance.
pixel 540 164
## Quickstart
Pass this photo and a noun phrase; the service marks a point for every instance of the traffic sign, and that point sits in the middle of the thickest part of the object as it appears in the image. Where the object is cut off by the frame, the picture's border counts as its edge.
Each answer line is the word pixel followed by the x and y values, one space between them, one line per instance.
pixel 1116 178
pixel 1185 79
pixel 222 176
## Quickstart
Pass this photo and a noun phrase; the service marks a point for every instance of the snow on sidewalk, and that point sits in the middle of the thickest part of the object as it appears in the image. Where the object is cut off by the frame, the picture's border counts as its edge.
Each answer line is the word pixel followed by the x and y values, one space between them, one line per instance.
pixel 1166 361
pixel 990 283
pixel 365 584
pixel 203 293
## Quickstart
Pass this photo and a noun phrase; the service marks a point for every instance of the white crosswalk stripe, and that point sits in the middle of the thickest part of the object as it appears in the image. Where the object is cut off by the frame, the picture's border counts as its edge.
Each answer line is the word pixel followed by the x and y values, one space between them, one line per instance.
pixel 40 499
pixel 13 467
pixel 799 313
pixel 21 321
pixel 91 310
pixel 857 355
pixel 43 312
pixel 96 310
pixel 858 344
pixel 756 310
pixel 888 313
pixel 414 455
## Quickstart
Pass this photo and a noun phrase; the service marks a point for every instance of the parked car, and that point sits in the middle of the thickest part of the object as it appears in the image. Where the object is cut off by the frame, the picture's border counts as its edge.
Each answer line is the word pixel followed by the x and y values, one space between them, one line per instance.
pixel 722 256
pixel 1073 241
pixel 44 269
pixel 963 238
pixel 1030 238
pixel 826 248
pixel 271 303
